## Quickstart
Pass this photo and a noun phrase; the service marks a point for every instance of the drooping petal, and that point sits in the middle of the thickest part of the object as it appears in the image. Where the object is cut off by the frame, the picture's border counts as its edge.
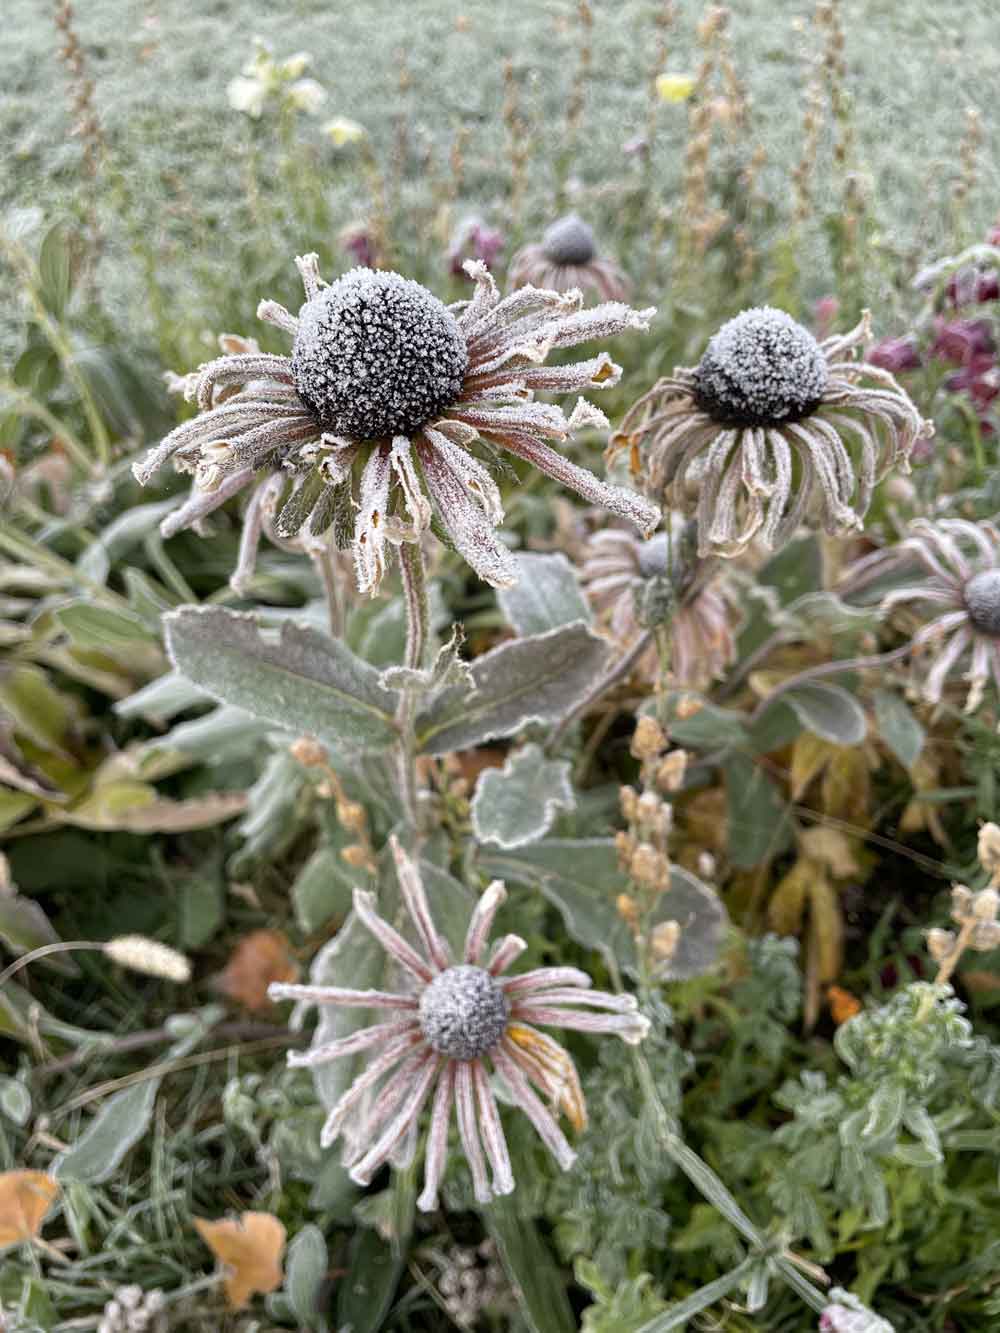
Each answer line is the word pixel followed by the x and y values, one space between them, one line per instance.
pixel 467 525
pixel 391 1056
pixel 370 526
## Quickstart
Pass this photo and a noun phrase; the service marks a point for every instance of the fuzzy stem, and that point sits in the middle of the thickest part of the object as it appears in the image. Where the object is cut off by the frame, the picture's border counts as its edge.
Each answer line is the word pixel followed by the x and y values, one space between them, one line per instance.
pixel 612 676
pixel 323 561
pixel 411 565
pixel 826 669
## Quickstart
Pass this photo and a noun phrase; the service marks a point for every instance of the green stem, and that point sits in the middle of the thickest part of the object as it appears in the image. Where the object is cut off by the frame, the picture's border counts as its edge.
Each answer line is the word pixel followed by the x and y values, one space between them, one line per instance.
pixel 411 565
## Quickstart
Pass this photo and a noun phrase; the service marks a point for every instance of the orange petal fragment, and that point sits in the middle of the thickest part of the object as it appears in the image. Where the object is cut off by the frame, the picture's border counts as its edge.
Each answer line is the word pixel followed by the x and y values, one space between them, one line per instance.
pixel 25 1198
pixel 250 1247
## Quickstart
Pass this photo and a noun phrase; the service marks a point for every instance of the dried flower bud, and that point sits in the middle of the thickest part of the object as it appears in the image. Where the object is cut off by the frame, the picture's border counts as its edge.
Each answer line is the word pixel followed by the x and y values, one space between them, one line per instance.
pixel 647 865
pixel 628 909
pixel 356 855
pixel 670 774
pixel 308 751
pixel 648 808
pixel 940 943
pixel 352 815
pixel 664 939
pixel 148 956
pixel 985 905
pixel 624 846
pixel 985 937
pixel 688 706
pixel 628 800
pixel 961 902
pixel 989 848
pixel 648 739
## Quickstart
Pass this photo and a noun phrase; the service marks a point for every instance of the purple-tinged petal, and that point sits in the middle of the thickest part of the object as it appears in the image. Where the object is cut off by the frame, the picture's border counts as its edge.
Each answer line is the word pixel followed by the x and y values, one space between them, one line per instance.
pixel 437 1139
pixel 351 999
pixel 468 1130
pixel 542 1119
pixel 378 1153
pixel 357 1041
pixel 481 922
pixel 391 941
pixel 492 1131
pixel 412 889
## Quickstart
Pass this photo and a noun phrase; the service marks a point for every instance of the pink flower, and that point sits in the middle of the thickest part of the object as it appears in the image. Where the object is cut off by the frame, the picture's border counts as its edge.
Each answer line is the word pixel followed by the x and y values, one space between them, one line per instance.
pixel 824 313
pixel 473 239
pixel 971 286
pixel 894 354
pixel 959 340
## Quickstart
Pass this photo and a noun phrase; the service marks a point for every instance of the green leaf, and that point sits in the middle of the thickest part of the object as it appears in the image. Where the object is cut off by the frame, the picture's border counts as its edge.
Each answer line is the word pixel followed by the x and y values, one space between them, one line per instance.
pixel 305 1272
pixel 91 626
pixel 323 887
pixel 118 538
pixel 118 1126
pixel 305 682
pixel 760 826
pixel 55 268
pixel 38 711
pixel 828 711
pixel 581 877
pixel 537 1281
pixel 546 595
pixel 15 1100
pixel 897 726
pixel 528 680
pixel 365 1294
pixel 24 926
pixel 517 804
pixel 199 908
pixel 708 728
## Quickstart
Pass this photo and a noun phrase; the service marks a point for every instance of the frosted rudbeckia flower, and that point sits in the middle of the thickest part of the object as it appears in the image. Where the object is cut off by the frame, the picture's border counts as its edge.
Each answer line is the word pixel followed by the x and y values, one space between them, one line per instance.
pixel 439 1035
pixel 627 580
pixel 958 566
pixel 370 423
pixel 567 258
pixel 763 423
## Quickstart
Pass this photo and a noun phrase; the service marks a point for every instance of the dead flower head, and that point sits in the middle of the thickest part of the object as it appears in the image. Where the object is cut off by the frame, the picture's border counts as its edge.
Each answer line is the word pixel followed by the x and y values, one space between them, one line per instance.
pixel 763 423
pixel 957 564
pixel 369 426
pixel 566 258
pixel 439 1036
pixel 632 583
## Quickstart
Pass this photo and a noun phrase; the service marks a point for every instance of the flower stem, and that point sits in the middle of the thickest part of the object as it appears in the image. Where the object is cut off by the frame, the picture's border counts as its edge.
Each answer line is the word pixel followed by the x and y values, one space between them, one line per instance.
pixel 411 565
pixel 612 676
pixel 323 561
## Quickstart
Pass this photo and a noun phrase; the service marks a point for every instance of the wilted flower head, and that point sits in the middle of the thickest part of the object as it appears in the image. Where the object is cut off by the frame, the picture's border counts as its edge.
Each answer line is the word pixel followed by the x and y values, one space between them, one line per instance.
pixel 359 242
pixel 567 258
pixel 957 564
pixel 895 354
pixel 763 423
pixel 473 239
pixel 632 583
pixel 386 393
pixel 442 1030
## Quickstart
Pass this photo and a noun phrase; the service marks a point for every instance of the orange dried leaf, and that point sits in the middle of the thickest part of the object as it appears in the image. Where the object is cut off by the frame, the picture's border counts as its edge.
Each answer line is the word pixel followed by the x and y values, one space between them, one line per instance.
pixel 25 1198
pixel 259 958
pixel 843 1005
pixel 250 1247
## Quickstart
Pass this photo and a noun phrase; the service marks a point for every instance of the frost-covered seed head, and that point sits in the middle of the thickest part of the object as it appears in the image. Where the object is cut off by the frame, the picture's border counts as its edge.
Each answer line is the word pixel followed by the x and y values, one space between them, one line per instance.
pixel 761 369
pixel 377 355
pixel 463 1012
pixel 654 556
pixel 569 241
pixel 982 601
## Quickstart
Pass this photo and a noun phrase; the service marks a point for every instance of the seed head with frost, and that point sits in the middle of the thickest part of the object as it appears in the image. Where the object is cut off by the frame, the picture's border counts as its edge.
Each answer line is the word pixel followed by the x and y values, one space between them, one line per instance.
pixel 439 1035
pixel 767 421
pixel 390 408
pixel 952 568
pixel 567 257
pixel 629 582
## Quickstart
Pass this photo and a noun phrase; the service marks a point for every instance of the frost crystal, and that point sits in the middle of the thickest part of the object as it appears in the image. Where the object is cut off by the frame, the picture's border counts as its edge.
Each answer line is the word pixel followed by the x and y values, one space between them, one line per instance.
pixel 569 241
pixel 982 600
pixel 377 355
pixel 463 1012
pixel 761 369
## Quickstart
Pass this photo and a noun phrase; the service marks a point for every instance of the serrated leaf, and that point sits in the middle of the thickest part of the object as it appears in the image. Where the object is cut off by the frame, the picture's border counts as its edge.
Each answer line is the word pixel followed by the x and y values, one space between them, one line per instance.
pixel 306 682
pixel 528 680
pixel 898 727
pixel 119 1125
pixel 518 803
pixel 546 595
pixel 535 1277
pixel 828 711
pixel 305 1271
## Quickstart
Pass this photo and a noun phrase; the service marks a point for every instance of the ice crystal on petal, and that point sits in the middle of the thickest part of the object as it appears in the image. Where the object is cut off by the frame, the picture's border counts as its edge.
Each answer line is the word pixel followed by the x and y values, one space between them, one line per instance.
pixel 761 369
pixel 377 355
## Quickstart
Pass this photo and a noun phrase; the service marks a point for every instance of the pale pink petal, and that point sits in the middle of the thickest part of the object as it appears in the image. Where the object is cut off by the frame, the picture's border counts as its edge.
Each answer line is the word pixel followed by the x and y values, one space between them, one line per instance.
pixel 492 1131
pixel 545 978
pixel 391 941
pixel 481 922
pixel 505 951
pixel 632 1028
pixel 469 528
pixel 437 1139
pixel 352 999
pixel 357 1041
pixel 412 889
pixel 376 1156
pixel 391 1056
pixel 468 1131
pixel 370 526
pixel 542 1119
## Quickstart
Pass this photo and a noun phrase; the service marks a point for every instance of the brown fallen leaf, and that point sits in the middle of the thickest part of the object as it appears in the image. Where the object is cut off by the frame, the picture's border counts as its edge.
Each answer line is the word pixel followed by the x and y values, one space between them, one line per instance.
pixel 249 1247
pixel 25 1198
pixel 258 959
